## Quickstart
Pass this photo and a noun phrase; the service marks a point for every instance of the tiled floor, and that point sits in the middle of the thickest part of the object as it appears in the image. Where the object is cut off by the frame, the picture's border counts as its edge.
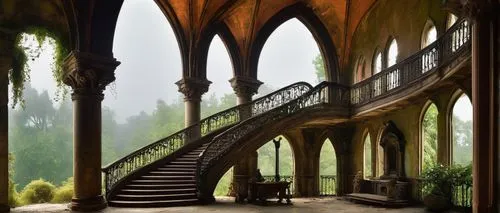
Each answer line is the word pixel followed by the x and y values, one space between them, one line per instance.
pixel 227 205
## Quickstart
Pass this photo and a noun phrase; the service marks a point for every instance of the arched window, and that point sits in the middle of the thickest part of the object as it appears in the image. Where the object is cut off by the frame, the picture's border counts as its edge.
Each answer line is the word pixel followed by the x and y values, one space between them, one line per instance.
pixel 392 56
pixel 367 157
pixel 392 53
pixel 429 35
pixel 462 131
pixel 377 63
pixel 429 137
pixel 429 59
pixel 451 20
pixel 327 169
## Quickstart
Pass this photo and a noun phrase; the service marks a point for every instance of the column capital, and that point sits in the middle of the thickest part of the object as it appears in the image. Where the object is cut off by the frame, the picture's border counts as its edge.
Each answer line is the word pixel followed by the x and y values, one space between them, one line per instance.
pixel 193 88
pixel 245 86
pixel 88 74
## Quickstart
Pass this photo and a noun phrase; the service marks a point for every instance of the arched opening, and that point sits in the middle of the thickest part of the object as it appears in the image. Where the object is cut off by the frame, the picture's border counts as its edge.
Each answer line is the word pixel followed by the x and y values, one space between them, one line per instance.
pixel 367 157
pixel 40 125
pixel 377 68
pixel 380 154
pixel 279 58
pixel 223 188
pixel 327 169
pixel 451 20
pixel 219 71
pixel 462 131
pixel 392 57
pixel 429 35
pixel 429 140
pixel 267 161
pixel 144 103
pixel 392 53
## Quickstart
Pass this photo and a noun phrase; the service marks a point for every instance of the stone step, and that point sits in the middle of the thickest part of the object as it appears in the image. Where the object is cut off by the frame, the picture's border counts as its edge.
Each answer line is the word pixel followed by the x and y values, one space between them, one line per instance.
pixel 158 191
pixel 157 203
pixel 160 186
pixel 141 181
pixel 153 197
pixel 172 173
pixel 176 168
pixel 167 177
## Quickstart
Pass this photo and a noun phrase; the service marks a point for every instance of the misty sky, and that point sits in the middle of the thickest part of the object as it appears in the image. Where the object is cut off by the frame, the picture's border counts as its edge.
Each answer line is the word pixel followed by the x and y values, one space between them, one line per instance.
pixel 150 61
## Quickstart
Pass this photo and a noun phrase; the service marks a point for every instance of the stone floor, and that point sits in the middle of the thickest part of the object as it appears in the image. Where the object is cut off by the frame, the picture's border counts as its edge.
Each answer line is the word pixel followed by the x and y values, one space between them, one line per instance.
pixel 227 205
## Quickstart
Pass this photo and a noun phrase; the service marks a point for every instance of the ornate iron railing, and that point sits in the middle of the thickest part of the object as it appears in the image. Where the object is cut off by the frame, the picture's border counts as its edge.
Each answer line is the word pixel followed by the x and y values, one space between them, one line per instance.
pixel 288 178
pixel 327 185
pixel 325 93
pixel 445 49
pixel 144 156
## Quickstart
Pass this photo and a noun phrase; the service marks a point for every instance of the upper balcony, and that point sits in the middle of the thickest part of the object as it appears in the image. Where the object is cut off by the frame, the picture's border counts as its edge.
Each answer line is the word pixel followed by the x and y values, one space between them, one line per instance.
pixel 440 62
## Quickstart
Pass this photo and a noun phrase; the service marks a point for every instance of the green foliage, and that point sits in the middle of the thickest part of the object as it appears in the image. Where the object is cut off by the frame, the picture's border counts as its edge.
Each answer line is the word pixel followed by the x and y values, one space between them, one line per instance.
pixel 429 127
pixel 64 193
pixel 224 184
pixel 440 180
pixel 328 159
pixel 23 51
pixel 368 171
pixel 13 195
pixel 319 66
pixel 38 191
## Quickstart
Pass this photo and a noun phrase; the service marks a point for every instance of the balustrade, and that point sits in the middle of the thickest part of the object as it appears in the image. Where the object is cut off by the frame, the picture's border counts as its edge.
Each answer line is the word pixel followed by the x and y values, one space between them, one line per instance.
pixel 447 48
pixel 327 185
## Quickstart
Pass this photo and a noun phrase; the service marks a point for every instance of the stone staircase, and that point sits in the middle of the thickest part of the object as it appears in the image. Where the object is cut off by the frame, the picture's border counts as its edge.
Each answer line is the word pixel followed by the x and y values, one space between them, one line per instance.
pixel 172 184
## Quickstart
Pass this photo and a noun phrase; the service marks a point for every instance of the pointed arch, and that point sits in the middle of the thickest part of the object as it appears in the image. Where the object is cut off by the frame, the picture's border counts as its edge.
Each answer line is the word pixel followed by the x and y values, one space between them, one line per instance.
pixel 428 150
pixel 429 34
pixel 313 23
pixel 459 128
pixel 226 36
pixel 367 155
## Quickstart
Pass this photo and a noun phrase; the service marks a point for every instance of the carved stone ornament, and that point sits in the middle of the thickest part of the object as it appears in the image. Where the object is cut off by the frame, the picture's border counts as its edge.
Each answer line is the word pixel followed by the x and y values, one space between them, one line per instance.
pixel 88 73
pixel 356 183
pixel 193 88
pixel 244 86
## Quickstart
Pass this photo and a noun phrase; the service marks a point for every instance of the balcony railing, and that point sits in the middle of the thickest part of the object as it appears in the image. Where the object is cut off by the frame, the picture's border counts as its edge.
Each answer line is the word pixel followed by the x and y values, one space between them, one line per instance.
pixel 327 185
pixel 447 48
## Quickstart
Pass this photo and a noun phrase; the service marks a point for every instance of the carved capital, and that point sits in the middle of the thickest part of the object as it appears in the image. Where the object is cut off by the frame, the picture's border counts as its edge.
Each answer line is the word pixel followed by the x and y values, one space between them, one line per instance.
pixel 193 88
pixel 244 86
pixel 88 74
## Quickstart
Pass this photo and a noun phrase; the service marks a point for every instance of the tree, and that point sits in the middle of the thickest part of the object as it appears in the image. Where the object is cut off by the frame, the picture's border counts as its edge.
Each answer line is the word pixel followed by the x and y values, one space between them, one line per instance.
pixel 319 66
pixel 429 126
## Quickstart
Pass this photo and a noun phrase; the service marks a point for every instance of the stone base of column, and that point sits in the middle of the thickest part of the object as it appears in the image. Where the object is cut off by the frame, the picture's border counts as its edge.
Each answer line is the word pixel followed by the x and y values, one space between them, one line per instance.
pixel 4 208
pixel 89 204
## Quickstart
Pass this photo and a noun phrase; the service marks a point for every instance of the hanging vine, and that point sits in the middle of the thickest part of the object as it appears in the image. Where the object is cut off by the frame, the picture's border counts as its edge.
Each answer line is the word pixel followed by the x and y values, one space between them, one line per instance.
pixel 20 72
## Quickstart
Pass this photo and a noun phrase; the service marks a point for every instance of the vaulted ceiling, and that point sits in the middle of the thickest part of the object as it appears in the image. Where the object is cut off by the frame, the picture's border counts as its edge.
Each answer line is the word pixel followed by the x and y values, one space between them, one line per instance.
pixel 246 18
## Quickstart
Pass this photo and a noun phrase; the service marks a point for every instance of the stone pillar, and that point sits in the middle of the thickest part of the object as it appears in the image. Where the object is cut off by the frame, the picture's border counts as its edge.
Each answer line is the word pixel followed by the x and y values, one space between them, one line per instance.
pixel 245 169
pixel 485 96
pixel 6 46
pixel 88 75
pixel 444 140
pixel 192 89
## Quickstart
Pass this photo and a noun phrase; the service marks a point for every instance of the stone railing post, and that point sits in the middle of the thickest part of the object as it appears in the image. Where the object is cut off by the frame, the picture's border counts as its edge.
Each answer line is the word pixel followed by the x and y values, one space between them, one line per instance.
pixel 88 75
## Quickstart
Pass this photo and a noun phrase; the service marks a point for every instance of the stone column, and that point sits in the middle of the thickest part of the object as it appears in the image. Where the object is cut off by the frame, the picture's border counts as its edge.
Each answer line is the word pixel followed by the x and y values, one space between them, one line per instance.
pixel 192 89
pixel 485 96
pixel 88 75
pixel 245 169
pixel 443 134
pixel 6 46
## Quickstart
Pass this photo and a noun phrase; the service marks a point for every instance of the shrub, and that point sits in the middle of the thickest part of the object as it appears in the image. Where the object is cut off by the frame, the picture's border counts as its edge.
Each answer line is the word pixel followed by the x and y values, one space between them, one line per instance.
pixel 13 195
pixel 64 193
pixel 38 191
